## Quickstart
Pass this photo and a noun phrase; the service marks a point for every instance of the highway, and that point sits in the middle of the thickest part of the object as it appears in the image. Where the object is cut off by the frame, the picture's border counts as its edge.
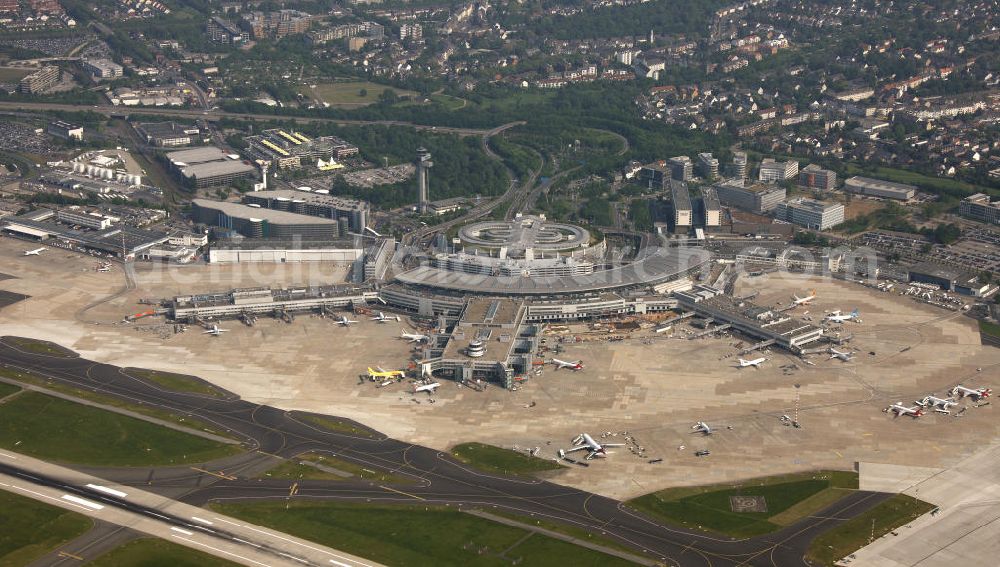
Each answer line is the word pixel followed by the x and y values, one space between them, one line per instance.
pixel 270 432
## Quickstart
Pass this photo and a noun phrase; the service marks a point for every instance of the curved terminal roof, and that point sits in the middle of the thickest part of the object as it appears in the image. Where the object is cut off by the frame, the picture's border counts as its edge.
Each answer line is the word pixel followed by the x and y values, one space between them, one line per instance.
pixel 654 265
pixel 523 233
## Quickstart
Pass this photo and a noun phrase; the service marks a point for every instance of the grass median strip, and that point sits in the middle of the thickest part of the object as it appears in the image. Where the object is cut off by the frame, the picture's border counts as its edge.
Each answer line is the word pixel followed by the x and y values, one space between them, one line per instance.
pixel 59 430
pixel 30 528
pixel 175 382
pixel 148 552
pixel 313 466
pixel 488 458
pixel 35 346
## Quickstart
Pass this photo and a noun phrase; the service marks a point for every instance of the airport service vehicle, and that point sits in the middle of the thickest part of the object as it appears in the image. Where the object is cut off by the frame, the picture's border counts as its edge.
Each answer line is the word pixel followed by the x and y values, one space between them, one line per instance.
pixel 702 453
pixel 584 442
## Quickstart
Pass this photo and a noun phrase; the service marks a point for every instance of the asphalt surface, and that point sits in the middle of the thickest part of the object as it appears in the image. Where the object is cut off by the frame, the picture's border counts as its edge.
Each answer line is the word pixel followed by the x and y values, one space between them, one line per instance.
pixel 270 432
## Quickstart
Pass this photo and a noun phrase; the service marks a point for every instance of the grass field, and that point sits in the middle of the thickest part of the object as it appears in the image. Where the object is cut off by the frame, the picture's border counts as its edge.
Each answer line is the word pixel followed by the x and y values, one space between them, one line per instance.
pixel 7 389
pixel 991 329
pixel 59 430
pixel 293 469
pixel 175 382
pixel 39 347
pixel 404 535
pixel 853 534
pixel 504 461
pixel 335 425
pixel 148 552
pixel 8 75
pixel 31 529
pixel 188 421
pixel 348 93
pixel 925 182
pixel 789 498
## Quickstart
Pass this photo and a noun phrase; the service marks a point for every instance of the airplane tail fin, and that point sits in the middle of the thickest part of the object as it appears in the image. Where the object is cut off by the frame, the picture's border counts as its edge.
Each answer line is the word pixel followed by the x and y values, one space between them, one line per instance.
pixel 855 313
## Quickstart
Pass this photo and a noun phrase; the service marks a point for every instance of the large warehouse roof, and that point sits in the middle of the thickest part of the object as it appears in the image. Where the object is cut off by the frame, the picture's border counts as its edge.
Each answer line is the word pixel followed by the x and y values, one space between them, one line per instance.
pixel 270 215
pixel 214 168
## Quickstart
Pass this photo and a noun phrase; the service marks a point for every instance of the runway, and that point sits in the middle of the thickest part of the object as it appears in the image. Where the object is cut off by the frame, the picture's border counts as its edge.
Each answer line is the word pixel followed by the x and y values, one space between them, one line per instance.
pixel 268 432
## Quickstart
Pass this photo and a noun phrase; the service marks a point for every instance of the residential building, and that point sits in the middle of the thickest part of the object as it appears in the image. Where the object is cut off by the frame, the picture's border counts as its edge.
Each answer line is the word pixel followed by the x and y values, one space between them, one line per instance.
pixel 772 170
pixel 880 188
pixel 225 32
pixel 711 209
pixel 810 213
pixel 40 81
pixel 681 168
pixel 815 177
pixel 757 198
pixel 978 207
pixel 411 31
pixel 739 165
pixel 65 130
pixel 683 215
pixel 708 166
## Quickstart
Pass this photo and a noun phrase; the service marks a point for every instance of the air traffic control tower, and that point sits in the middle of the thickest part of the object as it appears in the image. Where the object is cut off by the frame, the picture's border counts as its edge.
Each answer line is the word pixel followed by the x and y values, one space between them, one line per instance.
pixel 423 163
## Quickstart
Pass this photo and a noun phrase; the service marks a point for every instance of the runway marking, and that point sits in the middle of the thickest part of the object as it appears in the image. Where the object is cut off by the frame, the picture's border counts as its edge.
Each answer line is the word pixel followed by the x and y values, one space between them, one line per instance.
pixel 293 541
pixel 838 454
pixel 70 555
pixel 191 541
pixel 339 563
pixel 39 494
pixel 220 474
pixel 107 490
pixel 82 502
pixel 293 558
pixel 181 531
pixel 401 492
pixel 202 521
pixel 8 456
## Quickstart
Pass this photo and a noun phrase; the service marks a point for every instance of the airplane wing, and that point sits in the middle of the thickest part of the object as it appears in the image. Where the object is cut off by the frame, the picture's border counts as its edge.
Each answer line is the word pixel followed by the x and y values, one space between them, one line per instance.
pixel 613 444
pixel 577 448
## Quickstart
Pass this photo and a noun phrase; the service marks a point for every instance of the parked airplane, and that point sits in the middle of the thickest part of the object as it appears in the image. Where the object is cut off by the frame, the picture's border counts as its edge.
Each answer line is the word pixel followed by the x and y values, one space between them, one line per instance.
pixel 215 331
pixel 584 441
pixel 755 362
pixel 578 365
pixel 899 409
pixel 345 321
pixel 702 427
pixel 414 338
pixel 938 404
pixel 845 356
pixel 429 388
pixel 977 394
pixel 836 317
pixel 35 252
pixel 796 300
pixel 380 373
pixel 382 317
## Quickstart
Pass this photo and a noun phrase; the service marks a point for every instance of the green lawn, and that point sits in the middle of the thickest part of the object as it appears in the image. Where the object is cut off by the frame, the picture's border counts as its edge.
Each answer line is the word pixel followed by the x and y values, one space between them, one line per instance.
pixel 348 93
pixel 59 430
pixel 29 529
pixel 335 425
pixel 789 498
pixel 158 413
pixel 407 535
pixel 148 552
pixel 7 389
pixel 504 461
pixel 175 382
pixel 991 329
pixel 926 182
pixel 855 533
pixel 294 469
pixel 35 346
pixel 8 75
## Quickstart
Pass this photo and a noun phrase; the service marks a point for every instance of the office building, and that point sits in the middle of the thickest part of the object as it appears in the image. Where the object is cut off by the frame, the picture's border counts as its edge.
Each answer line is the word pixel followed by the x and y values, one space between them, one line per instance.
pixel 208 167
pixel 276 24
pixel 683 214
pixel 292 150
pixel 809 213
pixel 76 216
pixel 655 175
pixel 879 188
pixel 681 168
pixel 39 81
pixel 167 134
pixel 257 222
pixel 225 32
pixel 758 198
pixel 103 68
pixel 313 204
pixel 65 130
pixel 708 166
pixel 738 168
pixel 772 171
pixel 711 210
pixel 813 176
pixel 978 207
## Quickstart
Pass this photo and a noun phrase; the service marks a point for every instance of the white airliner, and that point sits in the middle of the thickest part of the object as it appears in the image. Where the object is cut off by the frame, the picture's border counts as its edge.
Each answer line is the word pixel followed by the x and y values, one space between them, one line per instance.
pixel 702 427
pixel 976 394
pixel 414 338
pixel 215 331
pixel 35 252
pixel 584 441
pixel 429 388
pixel 938 404
pixel 836 317
pixel 899 409
pixel 845 356
pixel 796 300
pixel 578 365
pixel 382 317
pixel 345 321
pixel 755 362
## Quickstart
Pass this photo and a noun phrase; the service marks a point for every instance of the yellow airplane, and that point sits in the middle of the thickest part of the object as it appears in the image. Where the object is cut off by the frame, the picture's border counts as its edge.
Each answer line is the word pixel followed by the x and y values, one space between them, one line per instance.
pixel 376 374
